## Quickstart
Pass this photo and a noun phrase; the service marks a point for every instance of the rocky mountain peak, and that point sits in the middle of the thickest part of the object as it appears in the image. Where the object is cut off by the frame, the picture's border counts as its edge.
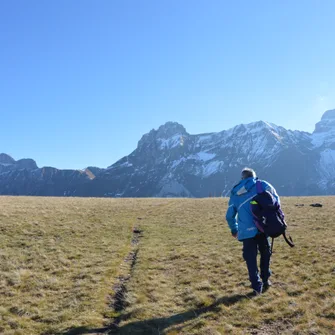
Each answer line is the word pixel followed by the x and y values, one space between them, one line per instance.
pixel 27 163
pixel 329 115
pixel 170 162
pixel 327 122
pixel 6 159
pixel 170 129
pixel 167 135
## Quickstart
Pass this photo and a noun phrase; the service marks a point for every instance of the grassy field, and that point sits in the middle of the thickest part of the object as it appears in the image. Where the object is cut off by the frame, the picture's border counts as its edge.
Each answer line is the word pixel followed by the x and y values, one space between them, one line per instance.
pixel 65 261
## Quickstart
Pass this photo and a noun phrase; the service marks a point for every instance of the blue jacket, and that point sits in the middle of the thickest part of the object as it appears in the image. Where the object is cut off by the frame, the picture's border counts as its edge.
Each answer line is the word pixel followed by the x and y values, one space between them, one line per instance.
pixel 239 206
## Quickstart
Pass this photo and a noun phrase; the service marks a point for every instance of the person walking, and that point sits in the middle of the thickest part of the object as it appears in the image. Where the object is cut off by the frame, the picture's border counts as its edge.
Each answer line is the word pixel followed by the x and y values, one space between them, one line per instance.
pixel 244 229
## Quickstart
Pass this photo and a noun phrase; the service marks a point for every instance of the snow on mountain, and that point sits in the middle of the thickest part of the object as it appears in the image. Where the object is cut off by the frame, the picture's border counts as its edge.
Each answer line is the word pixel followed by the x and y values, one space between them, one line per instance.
pixel 323 140
pixel 172 142
pixel 324 133
pixel 327 163
pixel 209 163
pixel 171 162
pixel 211 168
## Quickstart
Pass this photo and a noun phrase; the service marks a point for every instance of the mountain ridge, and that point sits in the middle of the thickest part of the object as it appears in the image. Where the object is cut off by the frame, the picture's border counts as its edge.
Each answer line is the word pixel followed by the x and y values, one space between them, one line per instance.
pixel 169 161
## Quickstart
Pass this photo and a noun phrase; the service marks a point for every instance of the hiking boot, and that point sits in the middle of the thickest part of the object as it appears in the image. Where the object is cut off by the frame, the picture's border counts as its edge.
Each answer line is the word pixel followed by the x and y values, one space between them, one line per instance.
pixel 266 285
pixel 257 292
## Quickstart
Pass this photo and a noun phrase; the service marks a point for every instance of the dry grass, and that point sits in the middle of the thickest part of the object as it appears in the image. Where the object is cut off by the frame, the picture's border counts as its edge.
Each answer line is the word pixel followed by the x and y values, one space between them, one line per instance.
pixel 58 260
pixel 61 257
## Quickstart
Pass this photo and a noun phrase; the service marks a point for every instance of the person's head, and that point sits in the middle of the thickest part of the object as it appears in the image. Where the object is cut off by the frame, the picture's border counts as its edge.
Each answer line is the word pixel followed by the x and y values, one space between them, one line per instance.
pixel 247 173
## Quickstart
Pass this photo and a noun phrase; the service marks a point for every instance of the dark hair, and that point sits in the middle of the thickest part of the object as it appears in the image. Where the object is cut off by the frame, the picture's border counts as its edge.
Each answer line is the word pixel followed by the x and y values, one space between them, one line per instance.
pixel 247 173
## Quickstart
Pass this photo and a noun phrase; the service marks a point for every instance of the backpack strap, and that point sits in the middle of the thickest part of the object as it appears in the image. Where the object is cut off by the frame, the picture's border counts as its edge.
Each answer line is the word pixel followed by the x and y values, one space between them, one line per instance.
pixel 272 242
pixel 288 240
pixel 259 187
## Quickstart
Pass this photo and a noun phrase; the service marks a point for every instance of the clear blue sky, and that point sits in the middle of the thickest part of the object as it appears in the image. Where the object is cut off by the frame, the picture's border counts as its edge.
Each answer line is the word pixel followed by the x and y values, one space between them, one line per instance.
pixel 81 81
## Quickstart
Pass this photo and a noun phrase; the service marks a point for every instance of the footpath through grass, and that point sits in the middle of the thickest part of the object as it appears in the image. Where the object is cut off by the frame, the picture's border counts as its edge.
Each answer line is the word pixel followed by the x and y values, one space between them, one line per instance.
pixel 60 260
pixel 190 277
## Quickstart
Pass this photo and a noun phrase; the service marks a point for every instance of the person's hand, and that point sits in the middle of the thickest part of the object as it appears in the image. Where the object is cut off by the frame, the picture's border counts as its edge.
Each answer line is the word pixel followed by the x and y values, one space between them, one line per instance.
pixel 235 235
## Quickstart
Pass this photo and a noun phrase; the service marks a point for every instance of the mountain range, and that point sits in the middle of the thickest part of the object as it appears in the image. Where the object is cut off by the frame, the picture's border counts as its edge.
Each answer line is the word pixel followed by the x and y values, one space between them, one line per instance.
pixel 170 162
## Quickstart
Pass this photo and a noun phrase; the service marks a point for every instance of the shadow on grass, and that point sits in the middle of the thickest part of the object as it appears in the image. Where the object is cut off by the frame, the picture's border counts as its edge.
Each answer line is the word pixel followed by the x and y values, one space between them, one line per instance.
pixel 157 325
pixel 85 330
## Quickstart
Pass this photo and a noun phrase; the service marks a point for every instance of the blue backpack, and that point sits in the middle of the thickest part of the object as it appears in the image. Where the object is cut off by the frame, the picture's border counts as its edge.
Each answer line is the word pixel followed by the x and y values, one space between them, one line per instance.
pixel 268 216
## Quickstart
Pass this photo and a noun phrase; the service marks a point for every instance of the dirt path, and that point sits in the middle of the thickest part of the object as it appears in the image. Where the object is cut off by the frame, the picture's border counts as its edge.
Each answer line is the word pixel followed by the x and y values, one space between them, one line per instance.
pixel 120 287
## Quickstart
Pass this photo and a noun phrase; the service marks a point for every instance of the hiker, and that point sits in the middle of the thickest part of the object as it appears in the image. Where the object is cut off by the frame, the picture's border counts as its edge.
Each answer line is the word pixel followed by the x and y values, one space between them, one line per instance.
pixel 245 230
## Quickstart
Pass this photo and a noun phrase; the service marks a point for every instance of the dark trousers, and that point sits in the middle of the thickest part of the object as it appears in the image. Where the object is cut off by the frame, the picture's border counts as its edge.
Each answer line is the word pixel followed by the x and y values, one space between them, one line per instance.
pixel 250 249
